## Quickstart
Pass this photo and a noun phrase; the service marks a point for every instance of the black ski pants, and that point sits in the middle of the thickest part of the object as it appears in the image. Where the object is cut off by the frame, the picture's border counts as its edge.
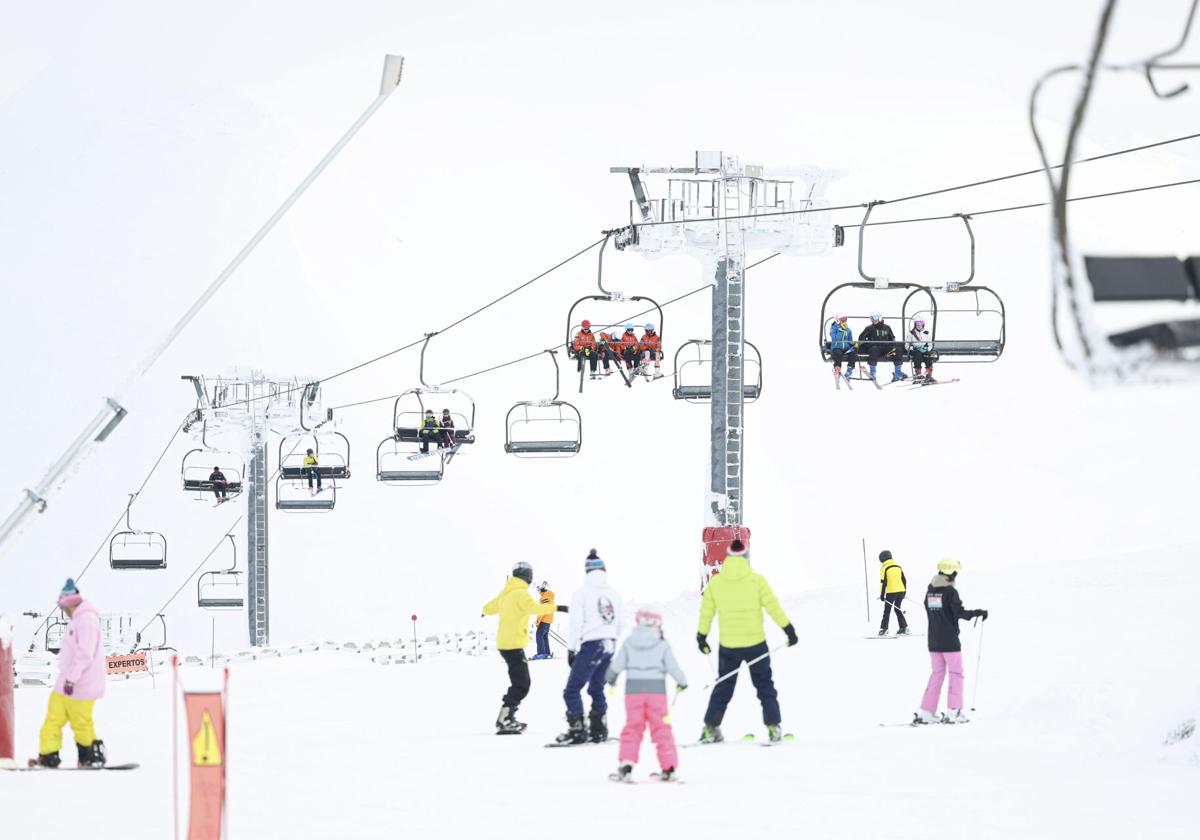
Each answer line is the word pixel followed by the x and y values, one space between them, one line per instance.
pixel 518 678
pixel 312 473
pixel 920 359
pixel 591 357
pixel 895 599
pixel 849 356
pixel 728 661
pixel 882 350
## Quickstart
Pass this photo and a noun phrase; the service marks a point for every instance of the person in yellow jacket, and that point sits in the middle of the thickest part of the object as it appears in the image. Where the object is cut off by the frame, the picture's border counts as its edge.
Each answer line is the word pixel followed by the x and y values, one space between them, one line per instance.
pixel 541 623
pixel 311 469
pixel 514 605
pixel 738 596
pixel 892 586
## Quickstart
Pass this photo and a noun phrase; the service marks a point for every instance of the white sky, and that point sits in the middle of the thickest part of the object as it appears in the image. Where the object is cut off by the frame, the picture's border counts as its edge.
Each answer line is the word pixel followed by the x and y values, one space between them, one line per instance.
pixel 141 144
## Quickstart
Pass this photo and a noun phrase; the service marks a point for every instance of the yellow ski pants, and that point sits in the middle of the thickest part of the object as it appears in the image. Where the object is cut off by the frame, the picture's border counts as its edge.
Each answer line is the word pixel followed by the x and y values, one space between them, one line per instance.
pixel 61 711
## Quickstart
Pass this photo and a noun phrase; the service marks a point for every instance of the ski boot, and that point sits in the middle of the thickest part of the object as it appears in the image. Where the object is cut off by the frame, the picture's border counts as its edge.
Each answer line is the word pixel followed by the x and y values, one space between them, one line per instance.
pixel 882 632
pixel 871 371
pixel 624 770
pixel 837 370
pixel 774 732
pixel 50 760
pixel 576 732
pixel 597 727
pixel 658 374
pixel 929 375
pixel 711 735
pixel 922 717
pixel 899 375
pixel 849 372
pixel 507 724
pixel 537 656
pixel 903 631
pixel 955 716
pixel 91 755
pixel 666 775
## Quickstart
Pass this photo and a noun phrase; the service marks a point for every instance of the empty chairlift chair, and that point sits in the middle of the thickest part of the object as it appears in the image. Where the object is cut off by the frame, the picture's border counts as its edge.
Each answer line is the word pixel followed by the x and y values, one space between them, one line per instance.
pixel 694 384
pixel 544 428
pixel 134 549
pixel 1142 280
pixel 222 589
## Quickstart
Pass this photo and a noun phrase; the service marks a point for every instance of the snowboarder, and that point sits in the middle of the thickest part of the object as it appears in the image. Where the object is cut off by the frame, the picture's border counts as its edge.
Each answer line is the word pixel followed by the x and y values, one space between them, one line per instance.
pixel 651 347
pixel 584 347
pixel 739 596
pixel 892 586
pixel 447 426
pixel 81 673
pixel 591 641
pixel 841 346
pixel 311 470
pixel 944 610
pixel 514 605
pixel 920 350
pixel 881 343
pixel 647 659
pixel 542 622
pixel 220 486
pixel 429 431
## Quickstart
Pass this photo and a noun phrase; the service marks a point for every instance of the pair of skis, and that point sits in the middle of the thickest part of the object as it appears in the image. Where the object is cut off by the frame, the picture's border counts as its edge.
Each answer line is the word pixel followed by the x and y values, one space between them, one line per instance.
pixel 33 765
pixel 628 779
pixel 748 738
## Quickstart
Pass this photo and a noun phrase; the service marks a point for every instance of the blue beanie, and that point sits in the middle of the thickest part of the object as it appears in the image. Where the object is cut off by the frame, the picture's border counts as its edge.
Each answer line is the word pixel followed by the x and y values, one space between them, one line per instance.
pixel 593 562
pixel 69 588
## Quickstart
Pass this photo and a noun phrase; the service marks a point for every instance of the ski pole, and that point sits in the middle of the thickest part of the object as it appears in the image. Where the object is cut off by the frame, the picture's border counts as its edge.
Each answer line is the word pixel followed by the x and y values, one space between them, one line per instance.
pixel 753 661
pixel 978 660
pixel 667 716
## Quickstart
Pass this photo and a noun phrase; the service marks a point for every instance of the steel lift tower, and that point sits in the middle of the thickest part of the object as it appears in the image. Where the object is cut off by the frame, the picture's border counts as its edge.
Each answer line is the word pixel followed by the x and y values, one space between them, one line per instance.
pixel 717 209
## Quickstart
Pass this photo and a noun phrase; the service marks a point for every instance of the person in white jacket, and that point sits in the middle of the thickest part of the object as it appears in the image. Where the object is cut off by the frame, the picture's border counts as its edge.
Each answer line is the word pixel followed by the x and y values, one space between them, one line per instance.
pixel 595 622
pixel 920 350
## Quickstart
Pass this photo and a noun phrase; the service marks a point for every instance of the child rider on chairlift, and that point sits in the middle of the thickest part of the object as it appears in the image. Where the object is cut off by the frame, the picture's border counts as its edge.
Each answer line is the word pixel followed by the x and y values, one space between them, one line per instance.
pixel 447 437
pixel 651 349
pixel 430 431
pixel 920 350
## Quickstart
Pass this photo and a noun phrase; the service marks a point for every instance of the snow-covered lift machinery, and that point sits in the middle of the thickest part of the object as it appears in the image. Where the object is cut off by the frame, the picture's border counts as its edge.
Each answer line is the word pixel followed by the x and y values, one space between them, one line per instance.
pixel 717 209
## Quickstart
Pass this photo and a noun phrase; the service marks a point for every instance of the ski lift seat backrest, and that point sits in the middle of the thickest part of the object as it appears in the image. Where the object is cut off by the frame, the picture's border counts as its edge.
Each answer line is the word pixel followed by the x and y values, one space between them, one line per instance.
pixel 197 484
pixel 411 435
pixel 1140 278
pixel 533 447
pixel 314 503
pixel 325 470
pixel 960 347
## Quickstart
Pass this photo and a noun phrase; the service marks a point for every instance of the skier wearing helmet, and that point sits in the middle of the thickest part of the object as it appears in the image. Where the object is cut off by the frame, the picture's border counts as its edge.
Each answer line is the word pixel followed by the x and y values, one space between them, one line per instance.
pixel 651 349
pixel 879 342
pixel 514 605
pixel 841 346
pixel 920 350
pixel 944 609
pixel 584 347
pixel 627 347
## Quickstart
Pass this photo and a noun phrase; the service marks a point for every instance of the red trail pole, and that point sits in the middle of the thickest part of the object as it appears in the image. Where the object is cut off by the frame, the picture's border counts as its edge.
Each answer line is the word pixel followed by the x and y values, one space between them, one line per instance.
pixel 7 712
pixel 416 655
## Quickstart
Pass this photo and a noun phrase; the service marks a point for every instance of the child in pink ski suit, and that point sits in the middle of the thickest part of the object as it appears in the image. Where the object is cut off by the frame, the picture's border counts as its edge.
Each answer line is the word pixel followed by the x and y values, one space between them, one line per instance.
pixel 647 659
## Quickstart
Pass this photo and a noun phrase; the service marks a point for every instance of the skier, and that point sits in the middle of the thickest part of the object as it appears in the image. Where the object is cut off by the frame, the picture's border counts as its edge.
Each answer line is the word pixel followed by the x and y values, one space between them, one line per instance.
pixel 514 605
pixel 739 596
pixel 80 683
pixel 627 347
pixel 920 350
pixel 651 348
pixel 841 346
pixel 311 469
pixel 647 659
pixel 944 610
pixel 542 622
pixel 429 431
pixel 219 484
pixel 892 586
pixel 447 427
pixel 595 623
pixel 881 343
pixel 584 347
pixel 606 349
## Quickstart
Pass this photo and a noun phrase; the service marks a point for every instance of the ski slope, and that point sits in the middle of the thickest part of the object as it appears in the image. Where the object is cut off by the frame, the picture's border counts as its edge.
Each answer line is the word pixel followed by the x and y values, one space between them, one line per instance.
pixel 1075 696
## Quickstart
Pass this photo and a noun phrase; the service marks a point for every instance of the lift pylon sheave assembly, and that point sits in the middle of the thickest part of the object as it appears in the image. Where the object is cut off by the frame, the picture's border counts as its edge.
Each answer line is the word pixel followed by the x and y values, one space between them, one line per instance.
pixel 691 356
pixel 944 309
pixel 222 589
pixel 133 548
pixel 544 428
pixel 416 453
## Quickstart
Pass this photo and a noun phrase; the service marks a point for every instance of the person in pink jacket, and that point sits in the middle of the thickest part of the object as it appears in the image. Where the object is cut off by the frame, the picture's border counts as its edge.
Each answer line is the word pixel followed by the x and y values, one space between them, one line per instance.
pixel 80 683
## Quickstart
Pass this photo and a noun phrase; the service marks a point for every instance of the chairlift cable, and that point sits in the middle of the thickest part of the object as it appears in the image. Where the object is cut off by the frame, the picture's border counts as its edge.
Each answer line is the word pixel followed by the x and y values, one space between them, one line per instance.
pixel 228 532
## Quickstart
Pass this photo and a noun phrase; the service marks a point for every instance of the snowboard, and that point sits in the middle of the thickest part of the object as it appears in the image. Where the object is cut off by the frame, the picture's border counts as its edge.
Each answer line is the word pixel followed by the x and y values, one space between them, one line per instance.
pixel 128 766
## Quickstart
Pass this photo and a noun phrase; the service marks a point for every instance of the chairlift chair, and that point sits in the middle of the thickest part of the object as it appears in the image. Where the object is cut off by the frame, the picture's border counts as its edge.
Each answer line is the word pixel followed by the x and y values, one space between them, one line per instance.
pixel 333 460
pixel 163 645
pixel 701 392
pixel 544 428
pixel 221 589
pixel 136 549
pixel 196 470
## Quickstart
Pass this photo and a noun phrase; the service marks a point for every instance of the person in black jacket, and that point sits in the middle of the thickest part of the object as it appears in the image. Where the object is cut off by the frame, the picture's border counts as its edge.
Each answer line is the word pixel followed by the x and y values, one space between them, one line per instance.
pixel 945 609
pixel 879 342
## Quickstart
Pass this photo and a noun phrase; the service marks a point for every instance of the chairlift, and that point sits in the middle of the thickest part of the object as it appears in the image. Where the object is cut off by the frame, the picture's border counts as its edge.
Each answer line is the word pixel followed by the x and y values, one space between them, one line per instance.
pixel 136 549
pixel 56 630
pixel 333 459
pixel 221 589
pixel 195 471
pixel 573 326
pixel 398 459
pixel 544 428
pixel 701 391
pixel 161 646
pixel 1168 281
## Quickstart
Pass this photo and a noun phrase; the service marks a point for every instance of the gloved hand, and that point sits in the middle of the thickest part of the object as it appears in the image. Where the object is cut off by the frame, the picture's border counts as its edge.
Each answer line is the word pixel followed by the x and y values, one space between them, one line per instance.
pixel 563 608
pixel 982 614
pixel 68 688
pixel 570 658
pixel 702 641
pixel 680 688
pixel 587 352
pixel 790 632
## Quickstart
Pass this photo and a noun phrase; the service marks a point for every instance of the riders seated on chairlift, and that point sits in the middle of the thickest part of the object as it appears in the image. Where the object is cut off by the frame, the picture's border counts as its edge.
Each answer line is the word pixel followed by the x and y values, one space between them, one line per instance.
pixel 650 346
pixel 881 344
pixel 430 431
pixel 311 470
pixel 628 347
pixel 919 343
pixel 219 484
pixel 584 347
pixel 447 426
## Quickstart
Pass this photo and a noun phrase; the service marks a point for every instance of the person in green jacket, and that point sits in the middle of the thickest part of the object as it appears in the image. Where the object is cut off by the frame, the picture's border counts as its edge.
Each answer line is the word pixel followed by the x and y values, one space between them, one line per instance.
pixel 739 596
pixel 514 605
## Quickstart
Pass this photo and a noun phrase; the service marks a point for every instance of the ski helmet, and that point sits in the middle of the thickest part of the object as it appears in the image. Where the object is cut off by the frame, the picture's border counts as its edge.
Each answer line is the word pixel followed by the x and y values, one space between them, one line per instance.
pixel 523 571
pixel 629 328
pixel 445 411
pixel 646 618
pixel 920 322
pixel 949 567
pixel 885 556
pixel 649 328
pixel 543 586
pixel 308 452
pixel 587 325
pixel 841 319
pixel 875 316
pixel 593 562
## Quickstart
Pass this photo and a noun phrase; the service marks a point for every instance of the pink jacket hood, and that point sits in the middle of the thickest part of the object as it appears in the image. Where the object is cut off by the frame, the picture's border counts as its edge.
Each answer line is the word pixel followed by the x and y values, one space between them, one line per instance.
pixel 81 658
